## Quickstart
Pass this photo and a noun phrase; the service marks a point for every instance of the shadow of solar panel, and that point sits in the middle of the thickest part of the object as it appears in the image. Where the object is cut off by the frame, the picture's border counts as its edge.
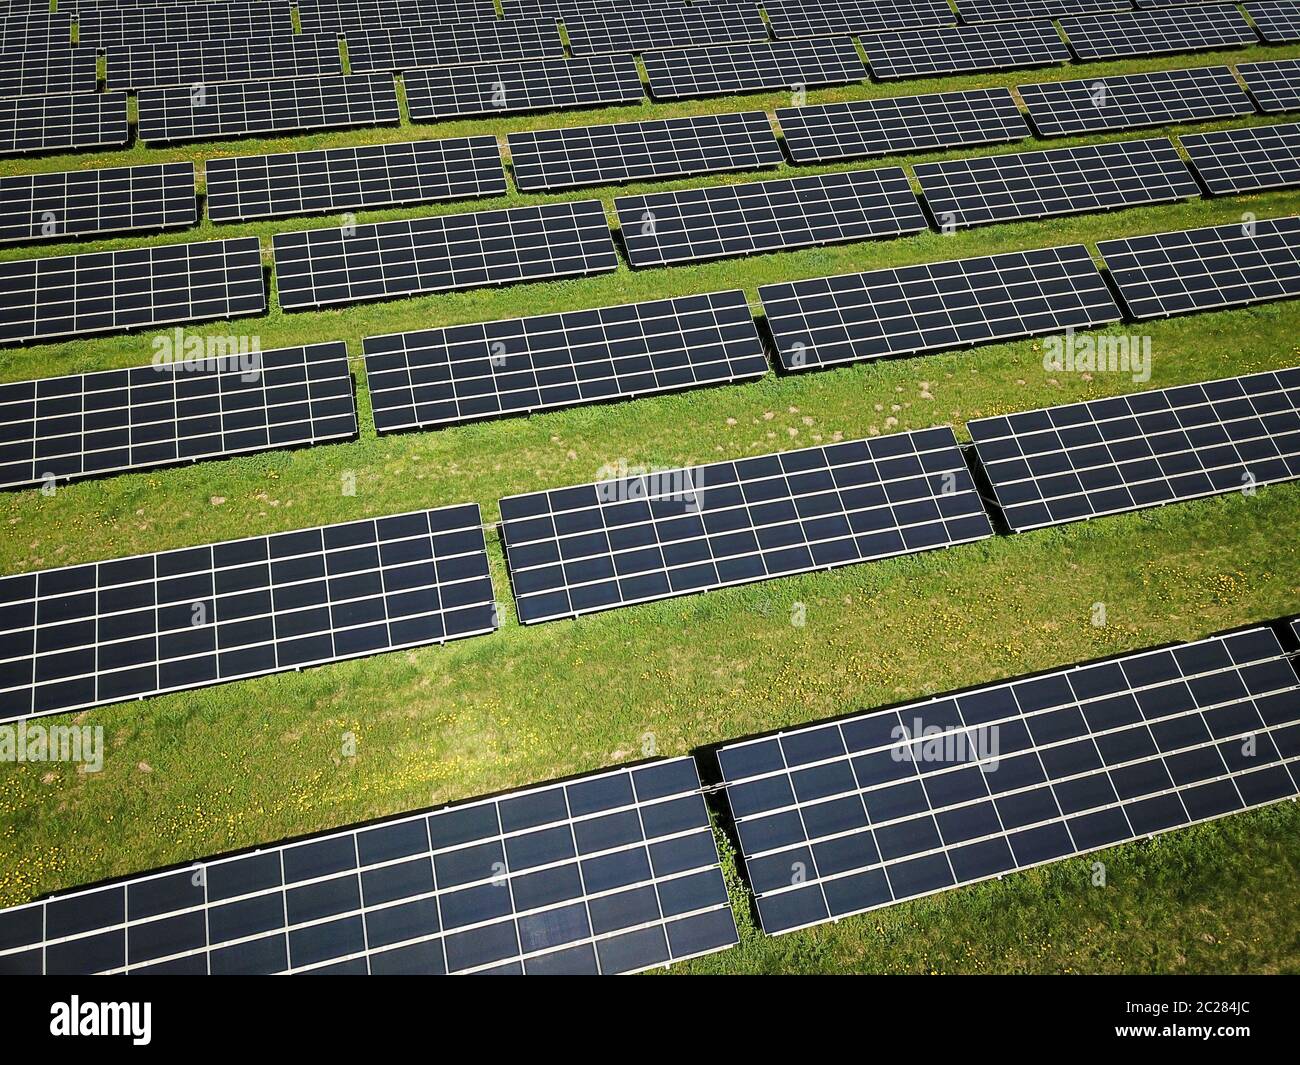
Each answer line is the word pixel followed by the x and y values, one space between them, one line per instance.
pixel 489 369
pixel 821 18
pixel 1107 456
pixel 49 123
pixel 848 816
pixel 514 88
pixel 132 627
pixel 612 872
pixel 673 147
pixel 1009 10
pixel 1246 159
pixel 1199 269
pixel 666 533
pixel 110 291
pixel 884 126
pixel 764 216
pixel 466 42
pixel 82 202
pixel 1275 86
pixel 958 50
pixel 35 32
pixel 326 266
pixel 1128 101
pixel 1278 21
pixel 207 407
pixel 1182 29
pixel 1093 177
pixel 375 175
pixel 189 63
pixel 345 16
pixel 935 306
pixel 636 30
pixel 184 22
pixel 47 73
pixel 238 108
pixel 685 72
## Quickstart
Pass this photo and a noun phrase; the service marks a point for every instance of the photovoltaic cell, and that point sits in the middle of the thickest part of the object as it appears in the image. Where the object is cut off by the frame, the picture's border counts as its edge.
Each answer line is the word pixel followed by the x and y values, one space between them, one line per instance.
pixel 239 108
pixel 107 291
pixel 1278 21
pixel 1092 177
pixel 686 72
pixel 81 202
pixel 47 73
pixel 962 49
pixel 725 220
pixel 613 872
pixel 139 66
pixel 636 30
pixel 653 536
pixel 1009 10
pixel 935 306
pixel 462 373
pixel 861 128
pixel 1246 159
pixel 847 816
pixel 127 628
pixel 1127 101
pixel 1106 456
pixel 347 16
pixel 466 42
pixel 184 22
pixel 1275 85
pixel 35 32
pixel 1201 269
pixel 604 155
pixel 437 254
pixel 95 423
pixel 513 88
pixel 822 18
pixel 1182 29
pixel 49 123
pixel 332 179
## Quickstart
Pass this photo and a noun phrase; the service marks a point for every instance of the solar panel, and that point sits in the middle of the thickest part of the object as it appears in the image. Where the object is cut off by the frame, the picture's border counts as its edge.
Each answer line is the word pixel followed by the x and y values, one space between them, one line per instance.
pixel 636 30
pixel 1010 10
pixel 184 22
pixel 822 18
pixel 1181 29
pixel 569 8
pixel 35 32
pixel 962 49
pixel 900 124
pixel 1107 456
pixel 724 220
pixel 466 42
pixel 1198 269
pixel 1275 85
pixel 333 179
pixel 612 872
pixel 667 533
pixel 47 123
pixel 239 108
pixel 1128 101
pixel 847 816
pixel 935 306
pixel 513 88
pixel 1092 177
pixel 1246 159
pixel 107 291
pixel 47 73
pixel 463 373
pixel 189 63
pixel 605 155
pixel 346 16
pixel 685 72
pixel 168 412
pixel 1278 21
pixel 127 628
pixel 83 202
pixel 438 254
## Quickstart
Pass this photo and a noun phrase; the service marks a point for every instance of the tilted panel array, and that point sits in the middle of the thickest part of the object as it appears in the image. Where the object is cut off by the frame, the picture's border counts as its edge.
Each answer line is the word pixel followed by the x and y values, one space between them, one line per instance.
pixel 106 27
pixel 822 18
pixel 680 73
pixel 1278 21
pixel 1181 29
pixel 189 63
pixel 438 46
pixel 1275 85
pixel 49 123
pixel 963 49
pixel 351 16
pixel 1010 10
pixel 51 73
pixel 636 30
pixel 1246 159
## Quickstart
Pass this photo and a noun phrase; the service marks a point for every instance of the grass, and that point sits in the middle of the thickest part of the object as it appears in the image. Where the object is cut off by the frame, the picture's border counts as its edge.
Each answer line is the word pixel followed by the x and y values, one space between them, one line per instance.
pixel 196 773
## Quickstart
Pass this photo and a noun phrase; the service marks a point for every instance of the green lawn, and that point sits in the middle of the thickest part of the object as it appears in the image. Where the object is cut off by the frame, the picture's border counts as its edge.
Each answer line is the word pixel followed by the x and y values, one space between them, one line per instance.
pixel 193 774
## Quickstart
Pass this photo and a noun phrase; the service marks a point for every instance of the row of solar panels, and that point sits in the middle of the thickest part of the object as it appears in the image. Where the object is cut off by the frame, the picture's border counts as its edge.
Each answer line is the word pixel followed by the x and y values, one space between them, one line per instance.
pixel 618 871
